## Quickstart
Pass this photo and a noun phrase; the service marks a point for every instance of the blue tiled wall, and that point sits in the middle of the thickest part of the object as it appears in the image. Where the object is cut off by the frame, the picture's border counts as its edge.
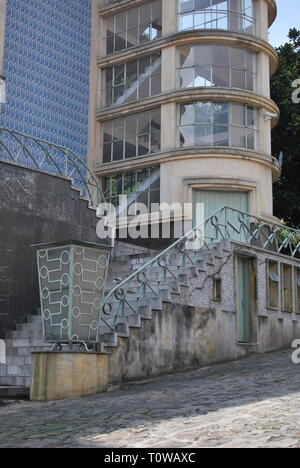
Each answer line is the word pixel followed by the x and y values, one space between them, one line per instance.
pixel 46 65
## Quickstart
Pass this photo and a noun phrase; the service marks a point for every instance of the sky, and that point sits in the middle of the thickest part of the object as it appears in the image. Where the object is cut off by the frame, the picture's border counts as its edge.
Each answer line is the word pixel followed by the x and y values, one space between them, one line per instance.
pixel 288 17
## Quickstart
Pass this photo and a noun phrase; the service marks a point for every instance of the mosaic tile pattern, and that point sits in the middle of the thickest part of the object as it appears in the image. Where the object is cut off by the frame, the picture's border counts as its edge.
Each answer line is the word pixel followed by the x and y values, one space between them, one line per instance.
pixel 46 65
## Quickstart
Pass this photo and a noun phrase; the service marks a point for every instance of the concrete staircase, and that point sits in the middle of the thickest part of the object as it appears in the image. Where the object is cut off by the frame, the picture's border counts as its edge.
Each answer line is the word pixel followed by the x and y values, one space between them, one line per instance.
pixel 126 259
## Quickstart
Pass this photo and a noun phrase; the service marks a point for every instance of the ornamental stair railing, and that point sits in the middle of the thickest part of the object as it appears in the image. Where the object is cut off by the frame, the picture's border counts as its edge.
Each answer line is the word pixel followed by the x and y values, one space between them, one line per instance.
pixel 184 256
pixel 40 154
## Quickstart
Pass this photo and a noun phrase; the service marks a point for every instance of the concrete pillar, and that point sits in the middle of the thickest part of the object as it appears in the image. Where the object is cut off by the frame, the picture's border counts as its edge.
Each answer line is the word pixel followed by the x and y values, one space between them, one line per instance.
pixel 168 126
pixel 93 150
pixel 169 17
pixel 169 69
pixel 2 32
pixel 263 68
pixel 262 21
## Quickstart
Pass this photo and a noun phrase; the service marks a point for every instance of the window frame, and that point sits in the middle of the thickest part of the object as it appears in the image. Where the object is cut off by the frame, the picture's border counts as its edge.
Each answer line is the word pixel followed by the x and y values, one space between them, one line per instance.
pixel 108 181
pixel 108 90
pixel 268 281
pixel 139 27
pixel 211 66
pixel 241 16
pixel 248 129
pixel 136 137
pixel 285 266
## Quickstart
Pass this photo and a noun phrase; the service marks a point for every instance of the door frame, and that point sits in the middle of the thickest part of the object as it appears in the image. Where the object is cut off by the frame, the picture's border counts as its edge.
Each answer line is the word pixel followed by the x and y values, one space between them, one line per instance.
pixel 253 297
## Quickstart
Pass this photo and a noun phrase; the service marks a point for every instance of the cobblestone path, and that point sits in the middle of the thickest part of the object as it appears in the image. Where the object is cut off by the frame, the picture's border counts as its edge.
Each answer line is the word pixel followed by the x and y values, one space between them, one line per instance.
pixel 251 403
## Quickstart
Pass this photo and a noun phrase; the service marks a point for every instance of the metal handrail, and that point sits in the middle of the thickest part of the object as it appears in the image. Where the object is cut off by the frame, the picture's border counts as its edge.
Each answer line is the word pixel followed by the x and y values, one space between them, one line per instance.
pixel 40 154
pixel 226 223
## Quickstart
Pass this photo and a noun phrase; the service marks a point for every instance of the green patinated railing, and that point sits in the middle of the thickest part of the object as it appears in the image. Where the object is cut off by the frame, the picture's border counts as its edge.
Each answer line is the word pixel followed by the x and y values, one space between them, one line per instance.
pixel 226 224
pixel 39 154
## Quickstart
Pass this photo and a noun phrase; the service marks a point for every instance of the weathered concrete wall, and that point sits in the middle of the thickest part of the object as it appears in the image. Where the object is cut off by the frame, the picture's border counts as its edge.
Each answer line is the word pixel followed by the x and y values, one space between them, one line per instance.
pixel 35 207
pixel 196 330
pixel 177 338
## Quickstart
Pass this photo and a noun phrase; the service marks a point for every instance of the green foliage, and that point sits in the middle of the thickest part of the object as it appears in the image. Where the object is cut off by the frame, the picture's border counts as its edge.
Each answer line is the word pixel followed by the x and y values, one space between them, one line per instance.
pixel 286 136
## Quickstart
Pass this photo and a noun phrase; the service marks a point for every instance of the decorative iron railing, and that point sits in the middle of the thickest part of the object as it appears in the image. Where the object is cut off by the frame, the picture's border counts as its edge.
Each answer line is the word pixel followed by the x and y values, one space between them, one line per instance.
pixel 226 223
pixel 40 154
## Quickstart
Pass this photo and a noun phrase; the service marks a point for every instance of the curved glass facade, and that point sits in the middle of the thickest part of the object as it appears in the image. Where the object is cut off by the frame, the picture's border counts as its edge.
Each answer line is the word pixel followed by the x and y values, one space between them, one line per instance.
pixel 131 81
pixel 217 65
pixel 134 26
pixel 236 15
pixel 208 123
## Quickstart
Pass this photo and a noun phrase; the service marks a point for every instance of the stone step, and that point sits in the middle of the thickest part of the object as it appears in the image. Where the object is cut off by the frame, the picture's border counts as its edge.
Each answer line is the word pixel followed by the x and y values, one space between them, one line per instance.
pixel 35 332
pixel 9 392
pixel 15 381
pixel 23 343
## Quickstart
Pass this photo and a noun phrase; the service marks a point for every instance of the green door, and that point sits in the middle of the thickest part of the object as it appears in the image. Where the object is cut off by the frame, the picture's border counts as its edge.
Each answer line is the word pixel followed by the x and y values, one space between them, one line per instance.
pixel 243 316
pixel 207 202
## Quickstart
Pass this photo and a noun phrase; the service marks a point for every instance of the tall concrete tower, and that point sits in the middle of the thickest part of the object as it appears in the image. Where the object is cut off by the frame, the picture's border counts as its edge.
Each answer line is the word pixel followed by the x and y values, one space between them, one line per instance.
pixel 182 103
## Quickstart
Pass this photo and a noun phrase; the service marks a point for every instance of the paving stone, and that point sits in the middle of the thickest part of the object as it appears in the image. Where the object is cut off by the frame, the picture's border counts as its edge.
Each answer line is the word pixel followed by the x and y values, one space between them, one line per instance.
pixel 251 403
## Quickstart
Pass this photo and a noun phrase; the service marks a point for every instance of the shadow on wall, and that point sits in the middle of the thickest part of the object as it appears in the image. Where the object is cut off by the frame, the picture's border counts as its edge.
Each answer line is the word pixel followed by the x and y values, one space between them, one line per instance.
pixel 35 207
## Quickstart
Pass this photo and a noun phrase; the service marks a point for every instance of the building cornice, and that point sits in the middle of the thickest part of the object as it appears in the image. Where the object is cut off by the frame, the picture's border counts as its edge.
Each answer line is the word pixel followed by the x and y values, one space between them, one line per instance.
pixel 178 154
pixel 125 4
pixel 229 38
pixel 189 95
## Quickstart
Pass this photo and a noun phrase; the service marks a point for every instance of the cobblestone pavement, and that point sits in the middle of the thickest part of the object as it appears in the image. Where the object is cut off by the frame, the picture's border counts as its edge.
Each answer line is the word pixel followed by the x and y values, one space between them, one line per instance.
pixel 250 403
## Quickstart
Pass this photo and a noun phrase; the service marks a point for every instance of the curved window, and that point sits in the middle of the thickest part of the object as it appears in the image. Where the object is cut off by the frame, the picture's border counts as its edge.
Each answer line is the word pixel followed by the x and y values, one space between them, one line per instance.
pixel 130 81
pixel 131 136
pixel 134 26
pixel 215 65
pixel 142 186
pixel 236 15
pixel 218 124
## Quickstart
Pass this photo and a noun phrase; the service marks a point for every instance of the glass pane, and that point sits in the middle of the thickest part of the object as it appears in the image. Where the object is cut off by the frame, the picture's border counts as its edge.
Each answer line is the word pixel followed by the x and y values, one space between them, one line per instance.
pixel 203 76
pixel 118 150
pixel 186 22
pixel 187 114
pixel 251 139
pixel 131 126
pixel 144 87
pixel 221 112
pixel 107 152
pixel 186 78
pixel 250 81
pixel 203 135
pixel 187 136
pixel 238 116
pixel 131 73
pixel 156 84
pixel 203 55
pixel 187 56
pixel 238 78
pixel 237 59
pixel 238 137
pixel 186 5
pixel 118 94
pixel 143 146
pixel 132 37
pixel 203 112
pixel 220 56
pixel 221 135
pixel 221 76
pixel 130 147
pixel 251 117
pixel 200 20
